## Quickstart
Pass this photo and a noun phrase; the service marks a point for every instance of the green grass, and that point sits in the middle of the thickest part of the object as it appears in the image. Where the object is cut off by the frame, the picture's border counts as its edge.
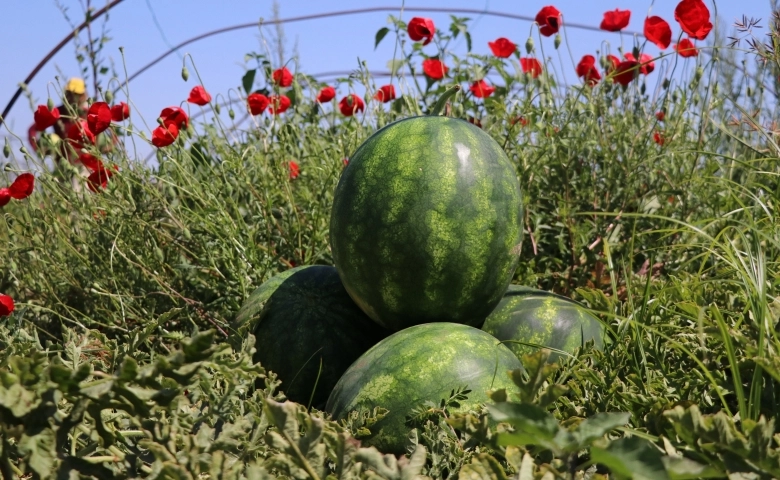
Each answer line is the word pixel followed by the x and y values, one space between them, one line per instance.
pixel 116 359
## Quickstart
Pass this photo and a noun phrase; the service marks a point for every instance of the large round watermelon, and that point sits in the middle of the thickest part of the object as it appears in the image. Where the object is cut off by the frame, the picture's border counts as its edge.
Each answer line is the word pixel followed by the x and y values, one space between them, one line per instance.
pixel 310 331
pixel 537 317
pixel 426 223
pixel 419 364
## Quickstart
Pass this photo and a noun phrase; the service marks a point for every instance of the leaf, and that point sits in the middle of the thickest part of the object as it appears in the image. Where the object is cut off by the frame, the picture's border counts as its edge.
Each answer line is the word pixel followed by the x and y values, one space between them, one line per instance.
pixel 598 425
pixel 686 469
pixel 631 458
pixel 526 471
pixel 537 370
pixel 41 450
pixel 533 426
pixel 482 467
pixel 380 34
pixel 248 80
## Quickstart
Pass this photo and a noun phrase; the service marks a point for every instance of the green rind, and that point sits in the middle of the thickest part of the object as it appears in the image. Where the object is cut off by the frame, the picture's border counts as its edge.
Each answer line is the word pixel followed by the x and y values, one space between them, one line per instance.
pixel 537 317
pixel 247 315
pixel 425 223
pixel 309 319
pixel 418 364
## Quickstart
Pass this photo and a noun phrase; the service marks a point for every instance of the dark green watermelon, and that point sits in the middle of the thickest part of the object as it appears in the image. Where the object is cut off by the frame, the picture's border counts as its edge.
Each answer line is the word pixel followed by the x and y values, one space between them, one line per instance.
pixel 418 364
pixel 247 315
pixel 310 322
pixel 538 317
pixel 426 223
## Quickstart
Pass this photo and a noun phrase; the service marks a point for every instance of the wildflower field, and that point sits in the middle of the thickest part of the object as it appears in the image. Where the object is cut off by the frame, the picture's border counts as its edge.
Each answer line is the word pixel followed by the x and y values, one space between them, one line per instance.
pixel 649 189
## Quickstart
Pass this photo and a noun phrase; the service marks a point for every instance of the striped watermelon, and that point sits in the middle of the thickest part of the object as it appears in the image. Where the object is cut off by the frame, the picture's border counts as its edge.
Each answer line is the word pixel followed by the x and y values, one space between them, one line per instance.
pixel 537 317
pixel 426 223
pixel 310 331
pixel 418 364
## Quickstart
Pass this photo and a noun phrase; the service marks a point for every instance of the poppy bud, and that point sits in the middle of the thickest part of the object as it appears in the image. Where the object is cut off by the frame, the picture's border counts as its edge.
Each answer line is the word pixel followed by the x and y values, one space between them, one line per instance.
pixel 185 74
pixel 529 45
pixel 6 149
pixel 216 108
pixel 698 74
pixel 643 88
pixel 109 96
pixel 558 41
pixel 50 104
pixel 667 83
pixel 26 153
pixel 232 114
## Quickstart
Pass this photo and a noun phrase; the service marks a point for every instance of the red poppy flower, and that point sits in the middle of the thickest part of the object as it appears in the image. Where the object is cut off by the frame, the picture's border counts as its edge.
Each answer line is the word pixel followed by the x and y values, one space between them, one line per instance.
pixel 278 104
pixel 659 138
pixel 22 186
pixel 647 64
pixel 434 68
pixel 385 93
pixel 502 47
pixel 658 31
pixel 481 89
pixel 615 20
pixel 199 96
pixel 175 116
pixel 164 135
pixel 660 115
pixel 345 161
pixel 98 179
pixel 611 62
pixel 282 77
pixel 351 104
pixel 120 112
pixel 694 18
pixel 6 305
pixel 78 132
pixel 421 28
pixel 549 20
pixel 45 118
pixel 531 65
pixel 92 163
pixel 521 120
pixel 586 70
pixel 5 197
pixel 295 170
pixel 326 94
pixel 257 103
pixel 686 48
pixel 99 117
pixel 625 72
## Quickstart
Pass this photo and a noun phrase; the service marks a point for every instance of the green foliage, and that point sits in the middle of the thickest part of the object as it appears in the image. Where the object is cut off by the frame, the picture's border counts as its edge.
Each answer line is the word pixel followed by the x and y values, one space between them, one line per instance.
pixel 114 364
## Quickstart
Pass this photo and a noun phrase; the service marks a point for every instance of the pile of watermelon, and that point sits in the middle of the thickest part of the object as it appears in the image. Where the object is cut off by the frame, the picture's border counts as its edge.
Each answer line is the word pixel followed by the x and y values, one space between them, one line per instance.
pixel 425 231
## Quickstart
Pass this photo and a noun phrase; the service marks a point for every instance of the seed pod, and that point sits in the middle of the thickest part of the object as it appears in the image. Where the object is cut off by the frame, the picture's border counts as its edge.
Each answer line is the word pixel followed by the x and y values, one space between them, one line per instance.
pixel 529 45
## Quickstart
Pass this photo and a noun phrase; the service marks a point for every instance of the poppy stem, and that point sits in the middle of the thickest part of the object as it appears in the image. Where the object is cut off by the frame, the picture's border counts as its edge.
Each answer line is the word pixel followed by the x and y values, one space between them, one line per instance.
pixel 442 101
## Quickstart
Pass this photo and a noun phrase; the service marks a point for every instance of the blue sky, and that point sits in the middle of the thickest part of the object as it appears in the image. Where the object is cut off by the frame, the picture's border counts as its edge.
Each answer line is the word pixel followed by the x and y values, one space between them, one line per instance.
pixel 146 28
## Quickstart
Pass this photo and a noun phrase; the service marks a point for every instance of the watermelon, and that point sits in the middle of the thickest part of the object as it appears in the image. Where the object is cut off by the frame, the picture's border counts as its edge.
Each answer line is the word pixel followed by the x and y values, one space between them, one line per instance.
pixel 310 331
pixel 538 317
pixel 247 315
pixel 421 363
pixel 426 223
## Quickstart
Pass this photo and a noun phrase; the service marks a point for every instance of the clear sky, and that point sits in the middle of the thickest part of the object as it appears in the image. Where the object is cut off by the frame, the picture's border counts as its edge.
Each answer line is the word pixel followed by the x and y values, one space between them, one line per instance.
pixel 146 29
